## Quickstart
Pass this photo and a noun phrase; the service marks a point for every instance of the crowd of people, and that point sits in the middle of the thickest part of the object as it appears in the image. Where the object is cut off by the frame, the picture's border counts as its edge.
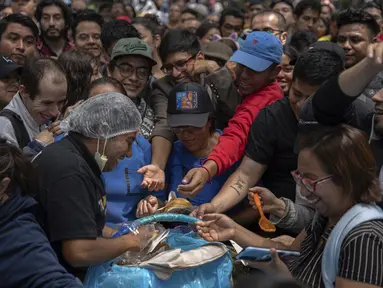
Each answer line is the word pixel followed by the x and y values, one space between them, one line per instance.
pixel 107 108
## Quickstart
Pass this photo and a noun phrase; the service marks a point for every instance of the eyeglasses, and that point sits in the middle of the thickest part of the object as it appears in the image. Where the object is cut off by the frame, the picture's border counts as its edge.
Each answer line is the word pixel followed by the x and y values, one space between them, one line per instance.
pixel 179 65
pixel 309 184
pixel 127 70
pixel 188 129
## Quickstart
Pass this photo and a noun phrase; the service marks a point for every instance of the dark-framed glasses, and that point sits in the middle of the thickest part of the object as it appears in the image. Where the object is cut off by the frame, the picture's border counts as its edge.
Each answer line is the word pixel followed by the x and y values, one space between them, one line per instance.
pixel 127 70
pixel 181 66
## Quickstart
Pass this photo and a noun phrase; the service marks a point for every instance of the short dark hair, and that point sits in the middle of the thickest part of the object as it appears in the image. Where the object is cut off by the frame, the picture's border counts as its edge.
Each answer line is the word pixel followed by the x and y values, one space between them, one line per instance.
pixel 86 16
pixel 344 153
pixel 150 22
pixel 19 19
pixel 67 14
pixel 115 30
pixel 358 16
pixel 235 12
pixel 301 40
pixel 106 80
pixel 35 70
pixel 316 66
pixel 204 28
pixel 288 2
pixel 179 41
pixel 78 67
pixel 307 4
pixel 281 19
pixel 191 11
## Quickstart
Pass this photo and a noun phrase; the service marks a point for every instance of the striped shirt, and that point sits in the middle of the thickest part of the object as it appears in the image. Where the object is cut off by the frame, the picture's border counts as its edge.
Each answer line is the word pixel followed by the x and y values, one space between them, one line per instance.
pixel 361 256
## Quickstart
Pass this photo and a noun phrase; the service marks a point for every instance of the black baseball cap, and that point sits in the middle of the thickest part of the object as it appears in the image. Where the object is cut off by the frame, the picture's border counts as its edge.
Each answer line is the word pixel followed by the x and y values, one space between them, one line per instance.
pixel 189 105
pixel 7 66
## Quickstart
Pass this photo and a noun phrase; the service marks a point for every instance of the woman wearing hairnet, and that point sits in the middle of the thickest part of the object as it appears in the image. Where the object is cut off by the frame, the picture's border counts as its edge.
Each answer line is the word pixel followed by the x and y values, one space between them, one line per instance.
pixel 71 193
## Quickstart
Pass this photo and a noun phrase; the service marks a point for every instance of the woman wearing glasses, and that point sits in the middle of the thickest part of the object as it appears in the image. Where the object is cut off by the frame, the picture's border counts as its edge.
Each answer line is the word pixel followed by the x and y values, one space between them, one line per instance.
pixel 336 170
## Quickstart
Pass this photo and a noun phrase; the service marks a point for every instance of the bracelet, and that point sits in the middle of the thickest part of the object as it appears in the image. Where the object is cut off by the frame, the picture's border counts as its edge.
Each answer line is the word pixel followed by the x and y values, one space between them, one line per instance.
pixel 208 173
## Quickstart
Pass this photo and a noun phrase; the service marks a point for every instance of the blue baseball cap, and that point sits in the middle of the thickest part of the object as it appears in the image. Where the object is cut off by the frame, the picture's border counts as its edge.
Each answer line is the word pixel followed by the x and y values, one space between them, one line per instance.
pixel 259 51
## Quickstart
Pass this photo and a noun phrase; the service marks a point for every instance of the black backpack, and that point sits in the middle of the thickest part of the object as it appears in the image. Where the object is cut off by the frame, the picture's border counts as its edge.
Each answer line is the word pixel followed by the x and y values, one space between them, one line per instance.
pixel 18 126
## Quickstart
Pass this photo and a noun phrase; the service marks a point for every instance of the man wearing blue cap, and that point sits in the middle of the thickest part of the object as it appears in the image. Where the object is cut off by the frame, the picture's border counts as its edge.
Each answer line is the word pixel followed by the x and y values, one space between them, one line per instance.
pixel 257 66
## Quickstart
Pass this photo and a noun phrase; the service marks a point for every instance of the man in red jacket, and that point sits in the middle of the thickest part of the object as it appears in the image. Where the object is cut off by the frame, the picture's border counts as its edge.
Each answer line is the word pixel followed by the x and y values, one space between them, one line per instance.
pixel 257 66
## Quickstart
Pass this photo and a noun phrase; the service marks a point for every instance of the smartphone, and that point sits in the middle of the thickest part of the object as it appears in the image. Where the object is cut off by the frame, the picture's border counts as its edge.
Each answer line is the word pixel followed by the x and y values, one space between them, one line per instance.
pixel 263 254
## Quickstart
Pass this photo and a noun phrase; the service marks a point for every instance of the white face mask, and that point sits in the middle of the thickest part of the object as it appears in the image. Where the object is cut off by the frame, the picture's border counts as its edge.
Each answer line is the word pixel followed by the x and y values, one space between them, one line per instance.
pixel 101 159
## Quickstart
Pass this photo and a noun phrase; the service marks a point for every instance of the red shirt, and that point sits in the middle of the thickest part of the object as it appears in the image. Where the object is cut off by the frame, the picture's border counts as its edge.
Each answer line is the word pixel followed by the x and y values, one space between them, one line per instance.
pixel 46 51
pixel 233 141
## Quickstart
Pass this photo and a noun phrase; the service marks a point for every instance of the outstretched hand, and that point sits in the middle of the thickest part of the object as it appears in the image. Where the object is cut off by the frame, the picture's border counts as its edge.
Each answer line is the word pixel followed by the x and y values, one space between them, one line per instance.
pixel 216 227
pixel 154 177
pixel 193 182
pixel 203 209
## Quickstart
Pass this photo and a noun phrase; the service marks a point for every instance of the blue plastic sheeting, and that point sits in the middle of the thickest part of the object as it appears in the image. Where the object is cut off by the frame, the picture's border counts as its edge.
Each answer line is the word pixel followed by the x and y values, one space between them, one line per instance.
pixel 215 274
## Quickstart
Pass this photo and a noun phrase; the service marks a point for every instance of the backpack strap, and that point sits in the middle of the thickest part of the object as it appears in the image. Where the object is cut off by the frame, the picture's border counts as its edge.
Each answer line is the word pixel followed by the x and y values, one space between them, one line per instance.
pixel 355 216
pixel 21 133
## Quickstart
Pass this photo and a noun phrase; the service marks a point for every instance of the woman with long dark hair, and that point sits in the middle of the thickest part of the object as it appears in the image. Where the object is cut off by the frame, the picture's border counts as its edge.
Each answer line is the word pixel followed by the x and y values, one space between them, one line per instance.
pixel 79 69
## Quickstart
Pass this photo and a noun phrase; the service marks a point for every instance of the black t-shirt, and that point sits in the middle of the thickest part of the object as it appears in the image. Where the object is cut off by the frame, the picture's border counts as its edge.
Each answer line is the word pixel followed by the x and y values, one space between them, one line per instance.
pixel 71 195
pixel 271 142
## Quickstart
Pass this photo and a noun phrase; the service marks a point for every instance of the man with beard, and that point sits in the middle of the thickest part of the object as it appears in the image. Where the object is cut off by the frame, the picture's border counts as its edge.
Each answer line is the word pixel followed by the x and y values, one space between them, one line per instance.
pixel 54 18
pixel 86 33
pixel 307 14
pixel 18 36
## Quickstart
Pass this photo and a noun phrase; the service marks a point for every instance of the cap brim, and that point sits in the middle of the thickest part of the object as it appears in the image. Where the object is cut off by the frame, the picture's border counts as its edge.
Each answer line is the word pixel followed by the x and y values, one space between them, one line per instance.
pixel 132 54
pixel 8 69
pixel 194 120
pixel 250 61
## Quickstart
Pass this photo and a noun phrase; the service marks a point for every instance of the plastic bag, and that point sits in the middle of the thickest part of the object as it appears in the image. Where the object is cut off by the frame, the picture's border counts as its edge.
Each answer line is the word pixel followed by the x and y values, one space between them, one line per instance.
pixel 215 274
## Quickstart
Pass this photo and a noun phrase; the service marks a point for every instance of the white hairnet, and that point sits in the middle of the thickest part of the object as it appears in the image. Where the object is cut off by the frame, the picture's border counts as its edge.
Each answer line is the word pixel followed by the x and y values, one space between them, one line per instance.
pixel 103 116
